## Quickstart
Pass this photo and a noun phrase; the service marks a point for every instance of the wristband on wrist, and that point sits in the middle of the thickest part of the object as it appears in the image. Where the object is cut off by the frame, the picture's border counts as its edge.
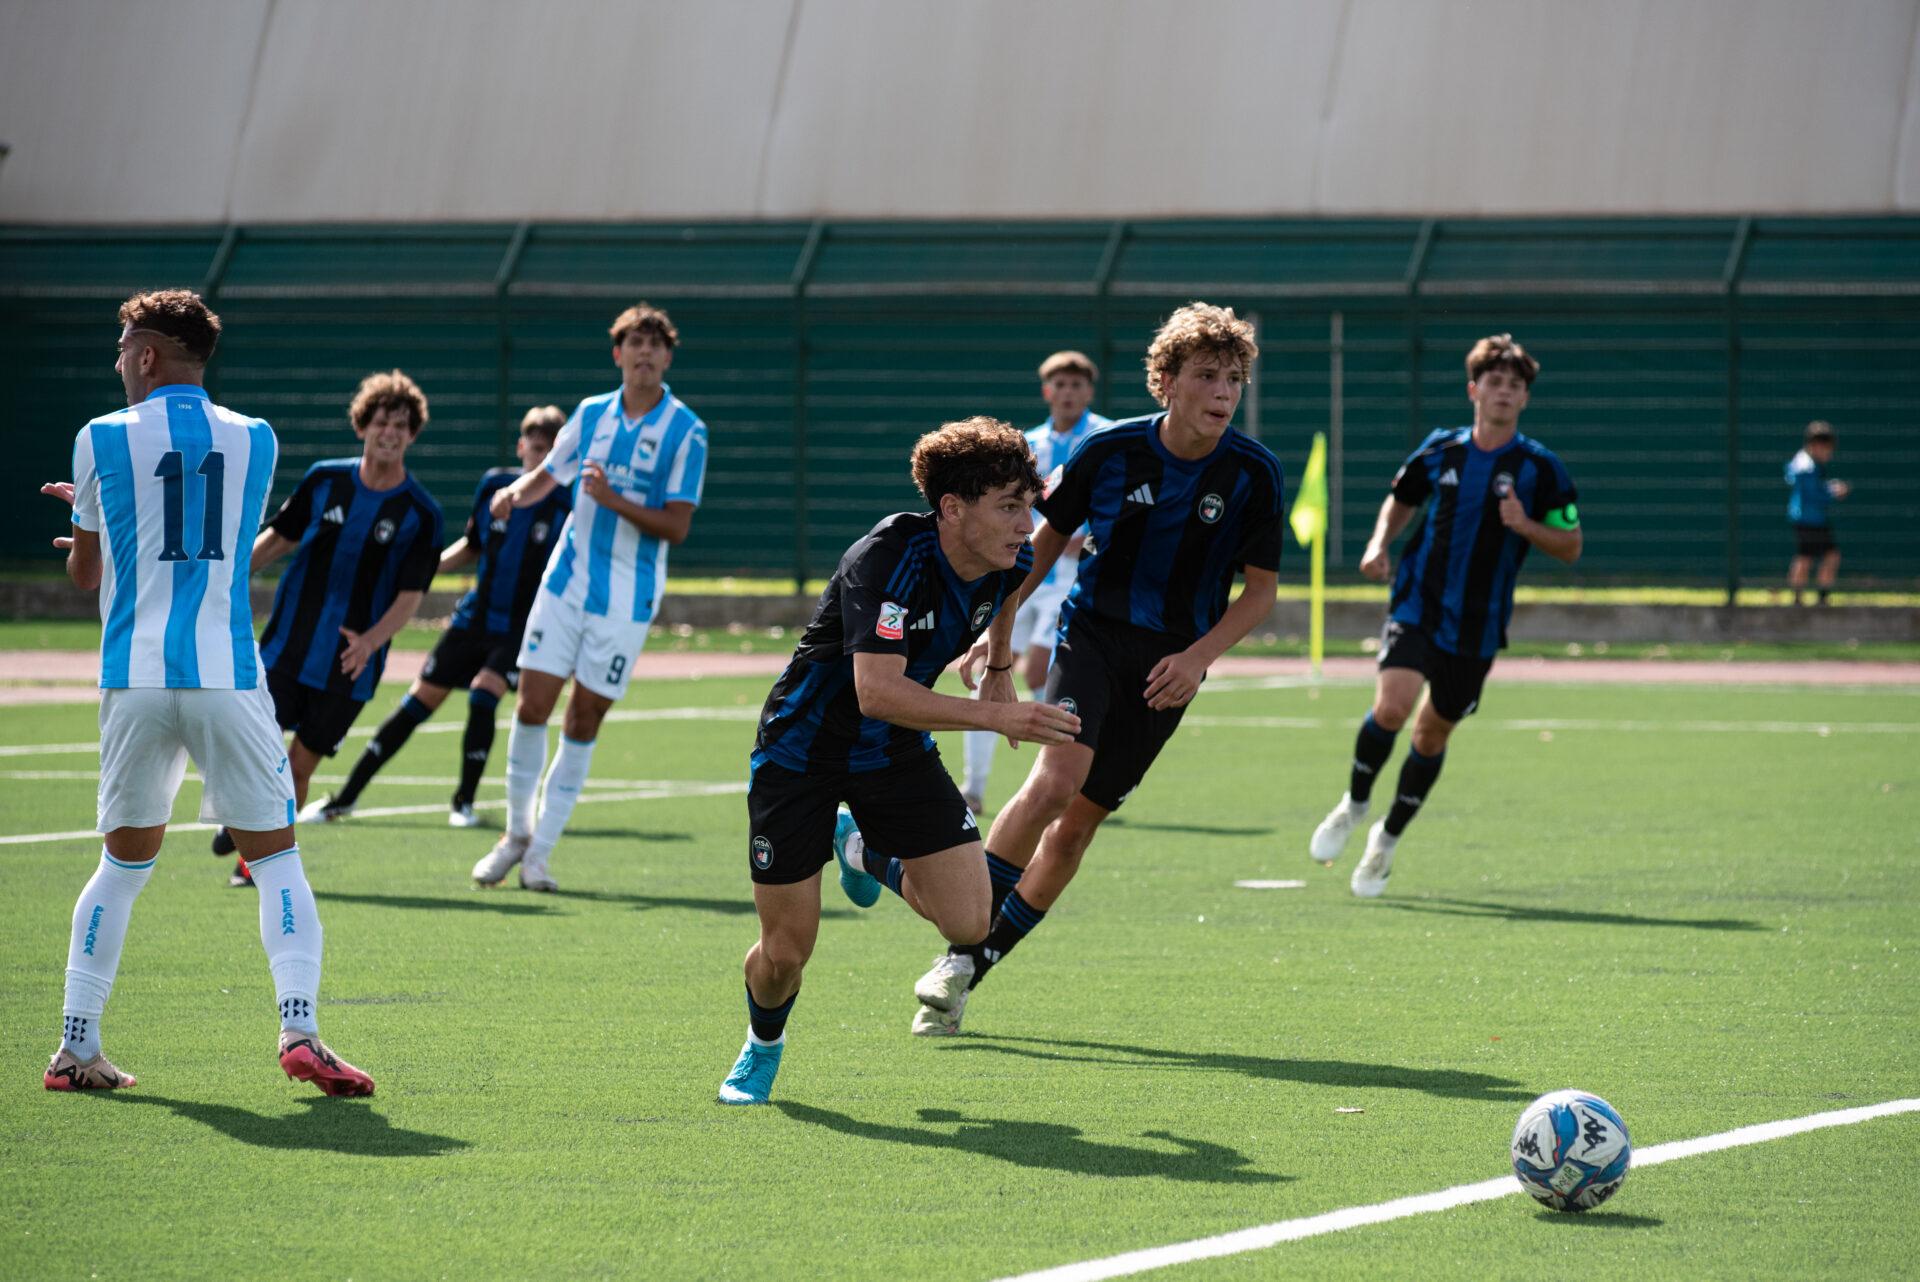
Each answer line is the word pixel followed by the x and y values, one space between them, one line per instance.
pixel 1008 668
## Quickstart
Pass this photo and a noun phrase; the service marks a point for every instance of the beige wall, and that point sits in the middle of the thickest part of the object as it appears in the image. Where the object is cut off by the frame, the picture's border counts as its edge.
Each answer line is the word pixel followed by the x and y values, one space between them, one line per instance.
pixel 293 110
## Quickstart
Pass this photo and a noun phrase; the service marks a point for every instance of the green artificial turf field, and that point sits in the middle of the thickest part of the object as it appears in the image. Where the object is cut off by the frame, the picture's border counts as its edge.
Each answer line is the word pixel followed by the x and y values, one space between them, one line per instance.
pixel 1701 903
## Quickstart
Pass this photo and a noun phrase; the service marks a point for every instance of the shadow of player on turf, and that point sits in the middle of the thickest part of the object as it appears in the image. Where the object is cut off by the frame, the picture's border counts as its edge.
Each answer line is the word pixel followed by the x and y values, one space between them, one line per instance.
pixel 1205 830
pixel 1449 1083
pixel 518 906
pixel 1052 1146
pixel 1561 916
pixel 327 1126
pixel 692 903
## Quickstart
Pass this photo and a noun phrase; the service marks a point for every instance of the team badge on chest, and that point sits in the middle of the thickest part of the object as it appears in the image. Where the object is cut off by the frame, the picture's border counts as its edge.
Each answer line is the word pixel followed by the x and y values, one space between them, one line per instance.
pixel 383 532
pixel 1211 508
pixel 982 614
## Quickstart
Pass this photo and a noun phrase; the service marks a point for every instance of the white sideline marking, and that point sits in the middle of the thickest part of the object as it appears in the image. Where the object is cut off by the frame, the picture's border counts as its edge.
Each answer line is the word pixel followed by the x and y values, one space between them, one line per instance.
pixel 1257 883
pixel 1210 1248
pixel 657 792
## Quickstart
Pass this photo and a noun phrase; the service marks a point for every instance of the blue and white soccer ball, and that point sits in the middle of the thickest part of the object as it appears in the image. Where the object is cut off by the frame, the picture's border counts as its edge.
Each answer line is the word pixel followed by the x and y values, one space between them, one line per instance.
pixel 1570 1150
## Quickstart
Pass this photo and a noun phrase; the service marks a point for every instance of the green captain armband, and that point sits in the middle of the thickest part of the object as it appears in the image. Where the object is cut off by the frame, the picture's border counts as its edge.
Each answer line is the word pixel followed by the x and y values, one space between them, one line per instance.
pixel 1564 518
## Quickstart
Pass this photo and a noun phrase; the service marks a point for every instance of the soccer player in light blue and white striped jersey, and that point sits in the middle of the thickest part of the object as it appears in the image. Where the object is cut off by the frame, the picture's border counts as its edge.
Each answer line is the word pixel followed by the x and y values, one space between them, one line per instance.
pixel 166 497
pixel 636 458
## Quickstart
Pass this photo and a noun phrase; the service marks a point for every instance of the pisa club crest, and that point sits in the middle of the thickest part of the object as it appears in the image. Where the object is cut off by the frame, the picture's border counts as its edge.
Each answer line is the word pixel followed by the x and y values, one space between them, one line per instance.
pixel 762 853
pixel 1211 508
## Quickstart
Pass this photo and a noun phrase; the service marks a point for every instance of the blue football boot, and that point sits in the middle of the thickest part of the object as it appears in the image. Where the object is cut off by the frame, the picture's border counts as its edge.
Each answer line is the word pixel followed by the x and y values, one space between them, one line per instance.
pixel 862 888
pixel 751 1081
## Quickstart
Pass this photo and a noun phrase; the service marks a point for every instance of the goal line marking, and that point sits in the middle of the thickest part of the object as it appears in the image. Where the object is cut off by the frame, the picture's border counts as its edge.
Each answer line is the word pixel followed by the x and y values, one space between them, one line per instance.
pixel 1266 1235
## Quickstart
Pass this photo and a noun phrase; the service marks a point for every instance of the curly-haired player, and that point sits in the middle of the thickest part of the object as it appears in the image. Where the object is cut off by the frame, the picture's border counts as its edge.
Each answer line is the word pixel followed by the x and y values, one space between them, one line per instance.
pixel 848 722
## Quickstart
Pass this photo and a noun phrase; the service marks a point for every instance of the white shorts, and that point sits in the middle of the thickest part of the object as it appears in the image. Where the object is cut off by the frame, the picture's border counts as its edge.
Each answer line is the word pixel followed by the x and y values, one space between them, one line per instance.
pixel 596 651
pixel 147 736
pixel 1036 620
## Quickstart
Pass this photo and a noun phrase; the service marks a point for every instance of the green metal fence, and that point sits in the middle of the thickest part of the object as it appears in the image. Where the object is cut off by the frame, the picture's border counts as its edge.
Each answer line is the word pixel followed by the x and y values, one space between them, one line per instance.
pixel 1682 357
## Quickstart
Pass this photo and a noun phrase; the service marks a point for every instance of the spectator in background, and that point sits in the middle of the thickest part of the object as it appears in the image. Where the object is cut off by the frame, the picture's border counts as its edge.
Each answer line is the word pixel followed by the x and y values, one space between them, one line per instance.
pixel 1810 494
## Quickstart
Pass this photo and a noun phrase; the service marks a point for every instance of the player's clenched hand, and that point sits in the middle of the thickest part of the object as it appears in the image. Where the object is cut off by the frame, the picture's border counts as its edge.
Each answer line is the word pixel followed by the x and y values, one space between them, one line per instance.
pixel 1376 565
pixel 1036 722
pixel 974 659
pixel 500 506
pixel 1513 513
pixel 1175 680
pixel 62 490
pixel 593 479
pixel 359 652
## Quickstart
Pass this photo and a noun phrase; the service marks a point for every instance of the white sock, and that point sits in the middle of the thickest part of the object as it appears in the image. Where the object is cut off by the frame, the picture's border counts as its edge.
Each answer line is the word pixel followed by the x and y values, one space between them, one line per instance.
pixel 93 955
pixel 980 745
pixel 758 1040
pixel 1354 808
pixel 562 790
pixel 290 931
pixel 526 758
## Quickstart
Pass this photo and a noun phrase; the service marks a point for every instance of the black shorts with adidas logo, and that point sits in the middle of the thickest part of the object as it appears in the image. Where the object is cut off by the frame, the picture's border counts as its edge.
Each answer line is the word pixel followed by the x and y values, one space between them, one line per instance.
pixel 907 809
pixel 1099 674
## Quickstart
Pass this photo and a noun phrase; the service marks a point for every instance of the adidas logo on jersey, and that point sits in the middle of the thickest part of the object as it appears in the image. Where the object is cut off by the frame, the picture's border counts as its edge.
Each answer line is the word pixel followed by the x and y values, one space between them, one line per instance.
pixel 336 514
pixel 1449 477
pixel 1143 496
pixel 924 623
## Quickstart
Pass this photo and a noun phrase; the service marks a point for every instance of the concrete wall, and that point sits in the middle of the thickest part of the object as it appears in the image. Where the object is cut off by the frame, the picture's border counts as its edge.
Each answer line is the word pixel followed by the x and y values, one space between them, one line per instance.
pixel 297 110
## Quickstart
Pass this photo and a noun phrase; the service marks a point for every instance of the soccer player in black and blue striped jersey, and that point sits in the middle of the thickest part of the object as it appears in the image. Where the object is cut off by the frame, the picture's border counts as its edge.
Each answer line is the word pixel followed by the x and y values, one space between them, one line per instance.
pixel 848 722
pixel 365 538
pixel 1491 495
pixel 1176 503
pixel 480 649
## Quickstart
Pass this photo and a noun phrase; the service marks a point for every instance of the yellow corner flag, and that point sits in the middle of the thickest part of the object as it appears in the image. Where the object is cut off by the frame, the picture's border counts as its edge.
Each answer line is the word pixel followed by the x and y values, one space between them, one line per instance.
pixel 1309 521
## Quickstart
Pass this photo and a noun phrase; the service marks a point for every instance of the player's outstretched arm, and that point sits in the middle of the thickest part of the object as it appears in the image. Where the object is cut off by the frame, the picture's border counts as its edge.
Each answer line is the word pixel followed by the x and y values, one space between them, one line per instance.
pixel 269 547
pixel 887 694
pixel 458 556
pixel 1176 679
pixel 82 546
pixel 1375 562
pixel 524 492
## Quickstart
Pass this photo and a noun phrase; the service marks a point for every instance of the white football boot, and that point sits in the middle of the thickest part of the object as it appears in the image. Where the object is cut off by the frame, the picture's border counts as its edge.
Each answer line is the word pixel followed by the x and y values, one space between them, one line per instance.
pixel 463 816
pixel 534 874
pixel 945 986
pixel 1371 873
pixel 498 862
pixel 1330 838
pixel 928 1022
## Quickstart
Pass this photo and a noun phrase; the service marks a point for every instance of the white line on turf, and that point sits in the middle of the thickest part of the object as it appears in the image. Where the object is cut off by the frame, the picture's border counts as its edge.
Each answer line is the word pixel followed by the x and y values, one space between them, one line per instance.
pixel 663 790
pixel 1255 1239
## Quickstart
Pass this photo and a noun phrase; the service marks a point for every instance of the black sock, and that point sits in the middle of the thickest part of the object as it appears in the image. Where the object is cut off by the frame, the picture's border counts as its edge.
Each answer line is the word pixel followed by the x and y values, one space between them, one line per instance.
pixel 1416 777
pixel 1004 877
pixel 474 749
pixel 1371 748
pixel 1797 594
pixel 1824 594
pixel 769 1024
pixel 1012 922
pixel 387 740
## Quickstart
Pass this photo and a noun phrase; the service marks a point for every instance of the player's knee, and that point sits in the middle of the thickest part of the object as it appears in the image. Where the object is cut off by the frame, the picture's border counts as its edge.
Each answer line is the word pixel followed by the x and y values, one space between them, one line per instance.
pixel 1430 740
pixel 1391 714
pixel 967 925
pixel 783 957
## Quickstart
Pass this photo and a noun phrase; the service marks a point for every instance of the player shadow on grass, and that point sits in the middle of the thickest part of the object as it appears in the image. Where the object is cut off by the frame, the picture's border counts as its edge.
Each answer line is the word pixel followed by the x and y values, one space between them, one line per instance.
pixel 1561 916
pixel 327 1126
pixel 517 906
pixel 692 903
pixel 1448 1083
pixel 1052 1146
pixel 1205 830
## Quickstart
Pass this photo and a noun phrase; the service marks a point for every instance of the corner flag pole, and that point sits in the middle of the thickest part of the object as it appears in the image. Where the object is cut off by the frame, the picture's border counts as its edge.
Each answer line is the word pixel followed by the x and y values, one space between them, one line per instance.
pixel 1309 521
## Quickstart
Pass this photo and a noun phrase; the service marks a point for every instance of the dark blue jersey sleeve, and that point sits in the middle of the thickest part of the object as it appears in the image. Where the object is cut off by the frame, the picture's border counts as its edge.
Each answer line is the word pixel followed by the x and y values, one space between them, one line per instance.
pixel 290 522
pixel 873 611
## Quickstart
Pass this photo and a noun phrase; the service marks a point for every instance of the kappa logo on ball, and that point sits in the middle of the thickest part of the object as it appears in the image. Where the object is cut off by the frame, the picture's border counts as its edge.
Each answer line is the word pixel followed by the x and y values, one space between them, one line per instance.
pixel 762 853
pixel 1211 508
pixel 892 624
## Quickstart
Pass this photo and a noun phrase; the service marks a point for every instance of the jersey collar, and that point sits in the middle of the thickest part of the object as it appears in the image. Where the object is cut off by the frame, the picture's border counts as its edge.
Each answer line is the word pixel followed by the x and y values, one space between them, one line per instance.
pixel 178 389
pixel 650 417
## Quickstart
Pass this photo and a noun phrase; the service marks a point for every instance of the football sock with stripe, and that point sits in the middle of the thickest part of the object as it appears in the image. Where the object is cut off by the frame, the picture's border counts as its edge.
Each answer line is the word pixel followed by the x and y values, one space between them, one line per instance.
pixel 477 745
pixel 765 1024
pixel 93 954
pixel 1417 774
pixel 1371 748
pixel 1013 921
pixel 561 791
pixel 526 758
pixel 290 932
pixel 1004 877
pixel 387 740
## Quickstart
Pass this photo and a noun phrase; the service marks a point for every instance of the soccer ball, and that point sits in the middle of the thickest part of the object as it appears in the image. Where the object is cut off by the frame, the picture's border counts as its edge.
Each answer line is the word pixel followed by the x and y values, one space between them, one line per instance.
pixel 1570 1150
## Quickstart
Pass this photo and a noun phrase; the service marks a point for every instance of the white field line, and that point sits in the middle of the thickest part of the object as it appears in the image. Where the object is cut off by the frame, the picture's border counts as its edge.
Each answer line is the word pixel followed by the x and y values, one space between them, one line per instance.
pixel 660 791
pixel 1255 1239
pixel 398 781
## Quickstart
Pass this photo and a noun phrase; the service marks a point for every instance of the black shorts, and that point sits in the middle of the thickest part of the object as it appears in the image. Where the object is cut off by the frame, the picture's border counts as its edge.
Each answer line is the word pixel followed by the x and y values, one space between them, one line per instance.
pixel 1099 673
pixel 461 653
pixel 319 719
pixel 1453 680
pixel 905 810
pixel 1813 540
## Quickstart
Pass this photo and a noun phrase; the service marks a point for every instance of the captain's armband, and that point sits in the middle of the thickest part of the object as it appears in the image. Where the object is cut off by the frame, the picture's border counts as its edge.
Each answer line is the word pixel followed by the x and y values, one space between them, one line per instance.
pixel 1563 518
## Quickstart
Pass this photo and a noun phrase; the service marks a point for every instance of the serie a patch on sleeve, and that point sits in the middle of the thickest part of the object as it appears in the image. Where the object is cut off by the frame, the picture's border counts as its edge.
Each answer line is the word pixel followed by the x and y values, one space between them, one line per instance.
pixel 892 623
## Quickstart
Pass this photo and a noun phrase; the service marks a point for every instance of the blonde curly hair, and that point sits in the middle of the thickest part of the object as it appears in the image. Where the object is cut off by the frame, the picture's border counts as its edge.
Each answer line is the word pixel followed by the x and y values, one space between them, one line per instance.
pixel 1197 328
